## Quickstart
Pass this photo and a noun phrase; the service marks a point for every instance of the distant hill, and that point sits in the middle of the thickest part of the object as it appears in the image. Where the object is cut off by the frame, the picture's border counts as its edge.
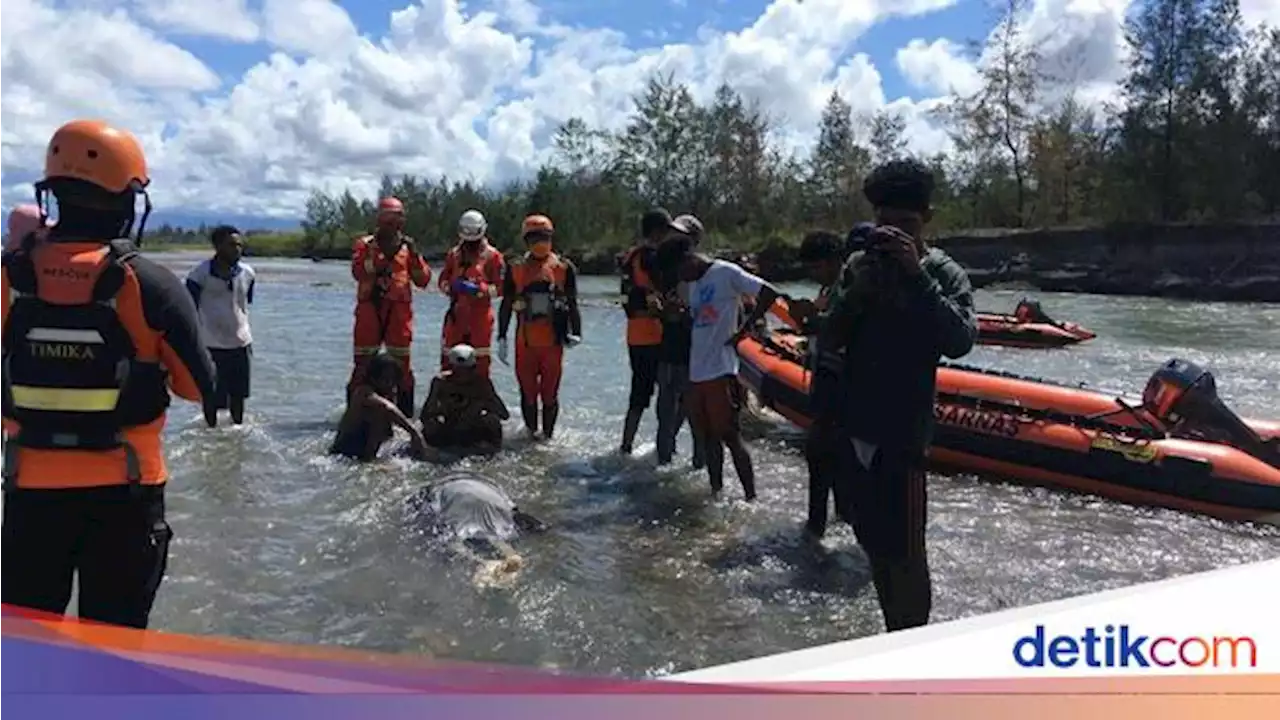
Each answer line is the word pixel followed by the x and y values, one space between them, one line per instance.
pixel 191 220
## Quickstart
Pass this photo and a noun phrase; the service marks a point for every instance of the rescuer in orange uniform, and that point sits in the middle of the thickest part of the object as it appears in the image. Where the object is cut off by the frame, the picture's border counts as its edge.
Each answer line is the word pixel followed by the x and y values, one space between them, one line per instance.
pixel 472 275
pixel 386 266
pixel 543 288
pixel 642 303
pixel 95 338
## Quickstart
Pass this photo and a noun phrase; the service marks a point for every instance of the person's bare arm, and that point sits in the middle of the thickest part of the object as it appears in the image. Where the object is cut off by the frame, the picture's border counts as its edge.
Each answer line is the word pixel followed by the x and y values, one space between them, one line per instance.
pixel 388 410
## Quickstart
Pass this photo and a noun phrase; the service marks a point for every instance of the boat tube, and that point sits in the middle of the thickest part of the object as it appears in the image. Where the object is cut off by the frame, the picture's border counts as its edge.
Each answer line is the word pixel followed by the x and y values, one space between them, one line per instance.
pixel 1176 446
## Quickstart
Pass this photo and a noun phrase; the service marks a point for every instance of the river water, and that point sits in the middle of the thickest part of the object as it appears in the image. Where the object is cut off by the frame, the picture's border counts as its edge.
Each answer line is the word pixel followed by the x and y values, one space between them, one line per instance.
pixel 641 574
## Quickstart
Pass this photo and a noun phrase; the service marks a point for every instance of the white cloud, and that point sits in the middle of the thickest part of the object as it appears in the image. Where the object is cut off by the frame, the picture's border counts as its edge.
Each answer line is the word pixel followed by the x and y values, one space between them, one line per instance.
pixel 1261 11
pixel 442 92
pixel 939 67
pixel 226 19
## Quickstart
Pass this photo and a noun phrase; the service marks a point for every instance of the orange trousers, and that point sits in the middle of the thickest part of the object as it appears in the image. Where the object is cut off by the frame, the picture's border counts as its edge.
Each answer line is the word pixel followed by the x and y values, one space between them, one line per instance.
pixel 390 324
pixel 474 329
pixel 538 371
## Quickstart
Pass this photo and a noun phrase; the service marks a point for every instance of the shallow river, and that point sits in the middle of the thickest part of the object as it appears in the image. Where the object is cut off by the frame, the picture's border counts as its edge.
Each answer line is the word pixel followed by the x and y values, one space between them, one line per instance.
pixel 641 573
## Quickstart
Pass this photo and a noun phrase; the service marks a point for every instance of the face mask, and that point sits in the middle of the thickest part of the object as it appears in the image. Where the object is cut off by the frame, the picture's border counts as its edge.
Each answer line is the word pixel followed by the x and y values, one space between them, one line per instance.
pixel 540 249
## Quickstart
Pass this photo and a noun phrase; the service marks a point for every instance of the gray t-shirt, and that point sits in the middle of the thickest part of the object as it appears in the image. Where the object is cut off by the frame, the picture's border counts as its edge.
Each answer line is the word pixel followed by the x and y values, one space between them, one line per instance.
pixel 471 506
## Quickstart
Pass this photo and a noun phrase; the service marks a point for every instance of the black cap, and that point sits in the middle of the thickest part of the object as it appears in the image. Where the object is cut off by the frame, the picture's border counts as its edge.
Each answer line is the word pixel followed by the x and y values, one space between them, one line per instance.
pixel 858 236
pixel 654 220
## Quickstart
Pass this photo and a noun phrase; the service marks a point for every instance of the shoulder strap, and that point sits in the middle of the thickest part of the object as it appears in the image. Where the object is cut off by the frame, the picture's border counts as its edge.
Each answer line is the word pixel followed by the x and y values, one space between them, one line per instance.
pixel 122 250
pixel 119 252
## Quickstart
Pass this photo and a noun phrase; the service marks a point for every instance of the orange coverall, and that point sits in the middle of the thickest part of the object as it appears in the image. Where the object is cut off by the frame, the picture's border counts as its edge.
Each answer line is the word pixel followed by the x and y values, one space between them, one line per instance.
pixel 539 355
pixel 384 308
pixel 470 317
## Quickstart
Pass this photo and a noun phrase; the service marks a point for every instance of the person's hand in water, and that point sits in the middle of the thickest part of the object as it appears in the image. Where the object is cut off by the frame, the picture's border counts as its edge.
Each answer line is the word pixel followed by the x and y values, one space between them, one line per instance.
pixel 418 446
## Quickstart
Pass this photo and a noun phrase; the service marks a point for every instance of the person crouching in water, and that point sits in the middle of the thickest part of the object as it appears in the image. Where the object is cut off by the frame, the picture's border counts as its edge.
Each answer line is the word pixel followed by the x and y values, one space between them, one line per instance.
pixel 714 397
pixel 899 306
pixel 463 409
pixel 222 288
pixel 372 412
pixel 477 515
pixel 823 254
pixel 543 288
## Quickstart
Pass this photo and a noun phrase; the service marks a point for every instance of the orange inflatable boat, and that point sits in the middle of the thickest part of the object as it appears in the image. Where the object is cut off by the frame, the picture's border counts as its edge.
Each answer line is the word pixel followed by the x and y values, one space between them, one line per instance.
pixel 1029 327
pixel 1177 446
pixel 1008 330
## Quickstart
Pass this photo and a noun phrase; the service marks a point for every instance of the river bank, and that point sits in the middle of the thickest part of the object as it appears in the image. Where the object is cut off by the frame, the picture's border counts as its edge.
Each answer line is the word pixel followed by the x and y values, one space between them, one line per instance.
pixel 1238 263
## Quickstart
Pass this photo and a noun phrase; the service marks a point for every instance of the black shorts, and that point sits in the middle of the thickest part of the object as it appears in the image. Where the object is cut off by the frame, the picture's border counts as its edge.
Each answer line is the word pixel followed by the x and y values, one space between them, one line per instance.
pixel 233 373
pixel 888 503
pixel 644 374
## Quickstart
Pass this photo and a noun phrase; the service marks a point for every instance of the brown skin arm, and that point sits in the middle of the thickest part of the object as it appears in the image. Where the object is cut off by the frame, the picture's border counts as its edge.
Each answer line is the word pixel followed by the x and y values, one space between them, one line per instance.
pixel 763 303
pixel 387 411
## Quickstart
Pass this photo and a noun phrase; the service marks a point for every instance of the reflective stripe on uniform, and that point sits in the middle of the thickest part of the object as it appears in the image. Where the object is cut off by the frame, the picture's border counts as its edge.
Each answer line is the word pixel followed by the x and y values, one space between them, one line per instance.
pixel 64 335
pixel 367 349
pixel 65 399
pixel 398 351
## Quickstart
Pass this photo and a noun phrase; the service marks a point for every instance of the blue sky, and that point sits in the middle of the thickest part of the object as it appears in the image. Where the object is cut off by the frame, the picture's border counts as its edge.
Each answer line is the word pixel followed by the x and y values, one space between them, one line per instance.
pixel 233 169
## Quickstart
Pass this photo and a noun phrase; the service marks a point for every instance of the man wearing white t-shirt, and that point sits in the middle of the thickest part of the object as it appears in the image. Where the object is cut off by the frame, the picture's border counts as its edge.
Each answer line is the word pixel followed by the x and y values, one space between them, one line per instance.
pixel 222 287
pixel 714 397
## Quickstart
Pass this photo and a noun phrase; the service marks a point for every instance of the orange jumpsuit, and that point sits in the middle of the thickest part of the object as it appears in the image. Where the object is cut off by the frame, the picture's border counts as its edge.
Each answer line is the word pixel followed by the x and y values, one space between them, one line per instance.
pixel 384 309
pixel 470 317
pixel 539 354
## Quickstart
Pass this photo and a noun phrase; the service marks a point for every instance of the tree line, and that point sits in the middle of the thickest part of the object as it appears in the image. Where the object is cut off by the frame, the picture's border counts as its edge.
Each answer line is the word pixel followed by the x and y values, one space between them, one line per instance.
pixel 1194 137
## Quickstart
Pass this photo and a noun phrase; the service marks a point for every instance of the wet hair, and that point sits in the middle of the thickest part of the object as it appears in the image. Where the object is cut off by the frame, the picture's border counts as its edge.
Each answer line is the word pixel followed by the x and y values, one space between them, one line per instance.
pixel 383 365
pixel 905 184
pixel 671 252
pixel 654 220
pixel 222 233
pixel 821 245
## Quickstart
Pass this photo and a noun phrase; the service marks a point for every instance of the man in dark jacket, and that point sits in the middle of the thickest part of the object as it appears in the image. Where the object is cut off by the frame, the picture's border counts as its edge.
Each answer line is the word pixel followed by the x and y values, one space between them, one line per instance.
pixel 899 306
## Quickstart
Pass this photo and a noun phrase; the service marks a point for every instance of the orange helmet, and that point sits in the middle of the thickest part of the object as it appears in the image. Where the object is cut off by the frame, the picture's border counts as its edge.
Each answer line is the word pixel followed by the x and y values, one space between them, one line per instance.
pixel 537 224
pixel 99 154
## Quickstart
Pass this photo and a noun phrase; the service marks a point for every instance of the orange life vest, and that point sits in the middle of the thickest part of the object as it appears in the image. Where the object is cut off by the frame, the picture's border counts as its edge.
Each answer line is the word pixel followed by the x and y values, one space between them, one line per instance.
pixel 485 270
pixel 641 329
pixel 84 387
pixel 387 278
pixel 537 284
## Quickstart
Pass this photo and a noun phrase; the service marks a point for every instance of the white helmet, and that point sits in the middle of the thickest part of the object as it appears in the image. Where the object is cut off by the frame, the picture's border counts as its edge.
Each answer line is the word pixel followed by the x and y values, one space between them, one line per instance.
pixel 472 225
pixel 461 356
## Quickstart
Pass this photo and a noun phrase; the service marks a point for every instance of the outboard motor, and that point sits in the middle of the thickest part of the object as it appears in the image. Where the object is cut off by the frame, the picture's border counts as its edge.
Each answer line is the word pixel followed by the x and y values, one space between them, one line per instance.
pixel 1184 396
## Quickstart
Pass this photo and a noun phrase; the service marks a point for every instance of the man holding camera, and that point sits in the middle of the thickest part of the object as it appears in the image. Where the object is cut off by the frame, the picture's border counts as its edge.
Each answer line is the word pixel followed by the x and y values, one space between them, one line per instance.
pixel 898 307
